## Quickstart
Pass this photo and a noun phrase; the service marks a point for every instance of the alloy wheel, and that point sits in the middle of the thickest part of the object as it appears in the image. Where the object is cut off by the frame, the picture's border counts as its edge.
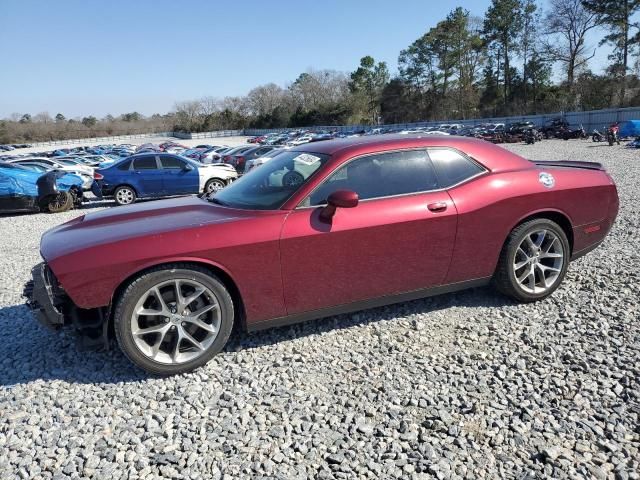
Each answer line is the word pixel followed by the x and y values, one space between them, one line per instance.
pixel 214 186
pixel 176 321
pixel 125 195
pixel 538 261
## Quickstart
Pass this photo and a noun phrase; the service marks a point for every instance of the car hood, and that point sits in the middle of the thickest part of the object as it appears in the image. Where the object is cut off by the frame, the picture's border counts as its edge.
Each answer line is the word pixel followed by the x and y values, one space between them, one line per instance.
pixel 143 219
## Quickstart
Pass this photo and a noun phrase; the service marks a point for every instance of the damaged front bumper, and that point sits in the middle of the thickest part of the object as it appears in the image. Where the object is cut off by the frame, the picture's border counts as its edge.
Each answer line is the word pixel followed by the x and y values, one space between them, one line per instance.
pixel 53 309
pixel 43 297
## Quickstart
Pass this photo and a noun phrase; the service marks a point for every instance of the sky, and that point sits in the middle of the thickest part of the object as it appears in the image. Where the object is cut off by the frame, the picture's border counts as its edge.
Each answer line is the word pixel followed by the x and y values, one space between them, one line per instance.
pixel 95 57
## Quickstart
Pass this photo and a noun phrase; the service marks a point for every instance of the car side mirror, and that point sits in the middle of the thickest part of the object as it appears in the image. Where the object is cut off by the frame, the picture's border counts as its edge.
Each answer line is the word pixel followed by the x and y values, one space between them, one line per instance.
pixel 187 167
pixel 338 199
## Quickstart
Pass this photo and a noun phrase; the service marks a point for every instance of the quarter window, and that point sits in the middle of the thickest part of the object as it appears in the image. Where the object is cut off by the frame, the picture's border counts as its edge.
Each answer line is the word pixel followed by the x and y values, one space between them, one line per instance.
pixel 145 163
pixel 452 167
pixel 124 165
pixel 380 175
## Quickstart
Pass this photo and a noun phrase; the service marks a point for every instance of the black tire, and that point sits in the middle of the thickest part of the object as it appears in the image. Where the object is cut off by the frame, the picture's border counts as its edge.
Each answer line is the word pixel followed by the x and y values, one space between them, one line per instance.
pixel 504 279
pixel 292 179
pixel 214 185
pixel 61 202
pixel 124 195
pixel 127 301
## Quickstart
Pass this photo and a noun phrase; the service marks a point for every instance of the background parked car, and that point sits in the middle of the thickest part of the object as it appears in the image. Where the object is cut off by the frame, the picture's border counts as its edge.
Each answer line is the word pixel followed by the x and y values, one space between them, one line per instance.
pixel 256 162
pixel 553 127
pixel 25 190
pixel 518 128
pixel 82 171
pixel 161 175
pixel 87 180
pixel 235 158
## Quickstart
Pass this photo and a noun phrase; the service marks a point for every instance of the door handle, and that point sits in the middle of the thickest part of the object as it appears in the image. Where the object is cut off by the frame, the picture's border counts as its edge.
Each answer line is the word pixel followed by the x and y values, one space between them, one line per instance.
pixel 437 207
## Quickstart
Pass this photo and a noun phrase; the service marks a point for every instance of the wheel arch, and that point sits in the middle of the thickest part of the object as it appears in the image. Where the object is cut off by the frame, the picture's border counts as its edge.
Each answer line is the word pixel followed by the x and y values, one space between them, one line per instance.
pixel 217 270
pixel 557 216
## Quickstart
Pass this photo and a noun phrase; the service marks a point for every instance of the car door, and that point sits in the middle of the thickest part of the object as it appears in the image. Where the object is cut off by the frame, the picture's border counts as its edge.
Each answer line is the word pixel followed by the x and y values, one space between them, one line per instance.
pixel 399 238
pixel 146 176
pixel 179 177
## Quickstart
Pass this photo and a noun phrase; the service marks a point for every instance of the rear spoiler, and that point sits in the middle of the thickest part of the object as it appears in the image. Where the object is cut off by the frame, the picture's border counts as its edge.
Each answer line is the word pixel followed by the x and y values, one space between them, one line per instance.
pixel 570 164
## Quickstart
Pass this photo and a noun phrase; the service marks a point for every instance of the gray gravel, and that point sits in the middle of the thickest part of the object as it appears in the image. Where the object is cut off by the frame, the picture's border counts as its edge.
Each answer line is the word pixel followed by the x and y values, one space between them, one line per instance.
pixel 466 385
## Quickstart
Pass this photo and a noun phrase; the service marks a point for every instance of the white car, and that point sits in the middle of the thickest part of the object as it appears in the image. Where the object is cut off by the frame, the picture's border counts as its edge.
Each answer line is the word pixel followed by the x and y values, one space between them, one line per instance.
pixel 211 173
pixel 176 150
pixel 213 154
pixel 300 140
pixel 256 162
pixel 40 166
pixel 434 132
pixel 53 163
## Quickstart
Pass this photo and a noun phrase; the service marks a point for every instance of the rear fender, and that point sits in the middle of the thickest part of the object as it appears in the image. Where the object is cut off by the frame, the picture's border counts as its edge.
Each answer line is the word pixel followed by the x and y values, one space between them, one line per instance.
pixel 47 185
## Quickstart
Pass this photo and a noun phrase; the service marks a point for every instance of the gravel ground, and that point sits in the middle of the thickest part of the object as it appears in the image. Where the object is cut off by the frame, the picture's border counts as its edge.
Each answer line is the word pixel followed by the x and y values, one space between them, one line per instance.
pixel 466 385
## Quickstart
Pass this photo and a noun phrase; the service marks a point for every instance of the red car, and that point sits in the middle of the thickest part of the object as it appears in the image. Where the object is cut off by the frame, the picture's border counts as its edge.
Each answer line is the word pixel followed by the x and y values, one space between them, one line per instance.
pixel 321 229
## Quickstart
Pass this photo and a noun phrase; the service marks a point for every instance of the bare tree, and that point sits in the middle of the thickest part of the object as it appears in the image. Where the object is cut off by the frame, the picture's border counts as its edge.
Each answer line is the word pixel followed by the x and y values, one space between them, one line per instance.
pixel 264 99
pixel 568 21
pixel 316 88
pixel 42 117
pixel 188 114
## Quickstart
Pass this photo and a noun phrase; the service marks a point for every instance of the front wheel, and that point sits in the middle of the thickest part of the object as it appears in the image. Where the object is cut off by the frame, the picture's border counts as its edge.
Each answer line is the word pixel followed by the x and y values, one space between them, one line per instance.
pixel 173 319
pixel 214 185
pixel 533 261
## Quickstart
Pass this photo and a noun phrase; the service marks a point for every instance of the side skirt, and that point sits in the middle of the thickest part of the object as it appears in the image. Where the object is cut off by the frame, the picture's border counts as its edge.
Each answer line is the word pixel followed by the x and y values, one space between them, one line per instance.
pixel 367 304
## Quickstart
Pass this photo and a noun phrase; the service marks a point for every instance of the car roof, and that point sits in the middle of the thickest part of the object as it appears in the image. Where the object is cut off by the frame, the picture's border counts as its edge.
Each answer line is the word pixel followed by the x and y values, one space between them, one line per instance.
pixel 492 156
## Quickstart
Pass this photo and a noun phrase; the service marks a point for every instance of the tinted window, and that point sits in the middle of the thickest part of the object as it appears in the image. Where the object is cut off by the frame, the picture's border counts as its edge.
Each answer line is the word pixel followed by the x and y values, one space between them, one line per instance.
pixel 268 187
pixel 124 165
pixel 145 163
pixel 452 167
pixel 171 162
pixel 380 175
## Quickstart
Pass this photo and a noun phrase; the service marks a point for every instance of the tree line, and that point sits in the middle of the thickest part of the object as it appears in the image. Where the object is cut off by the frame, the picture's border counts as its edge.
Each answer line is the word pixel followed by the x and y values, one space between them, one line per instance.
pixel 464 67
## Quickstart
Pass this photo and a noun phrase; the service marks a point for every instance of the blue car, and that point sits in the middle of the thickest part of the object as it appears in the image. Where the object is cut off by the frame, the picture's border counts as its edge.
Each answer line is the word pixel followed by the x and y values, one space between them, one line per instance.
pixel 25 190
pixel 155 175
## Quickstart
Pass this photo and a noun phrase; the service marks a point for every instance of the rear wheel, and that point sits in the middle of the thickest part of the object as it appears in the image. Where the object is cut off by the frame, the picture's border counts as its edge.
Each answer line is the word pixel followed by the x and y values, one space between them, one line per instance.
pixel 533 261
pixel 124 195
pixel 61 202
pixel 173 319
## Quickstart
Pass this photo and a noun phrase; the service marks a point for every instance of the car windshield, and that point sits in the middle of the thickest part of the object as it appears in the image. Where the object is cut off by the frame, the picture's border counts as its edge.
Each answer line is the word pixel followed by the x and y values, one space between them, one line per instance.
pixel 268 187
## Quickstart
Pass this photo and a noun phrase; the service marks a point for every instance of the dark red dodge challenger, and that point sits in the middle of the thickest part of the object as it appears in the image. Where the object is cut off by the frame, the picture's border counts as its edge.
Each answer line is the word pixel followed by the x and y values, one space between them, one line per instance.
pixel 321 229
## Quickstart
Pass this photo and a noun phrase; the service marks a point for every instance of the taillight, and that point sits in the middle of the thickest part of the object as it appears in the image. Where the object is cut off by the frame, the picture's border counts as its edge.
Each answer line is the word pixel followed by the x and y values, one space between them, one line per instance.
pixel 239 160
pixel 97 176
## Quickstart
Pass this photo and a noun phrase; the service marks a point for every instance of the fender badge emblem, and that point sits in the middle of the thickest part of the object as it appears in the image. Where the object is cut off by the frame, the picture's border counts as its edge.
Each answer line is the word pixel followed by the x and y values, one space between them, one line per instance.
pixel 546 179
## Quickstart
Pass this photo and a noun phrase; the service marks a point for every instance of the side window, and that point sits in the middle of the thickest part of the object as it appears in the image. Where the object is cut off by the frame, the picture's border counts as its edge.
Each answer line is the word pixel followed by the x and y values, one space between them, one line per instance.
pixel 171 162
pixel 145 163
pixel 380 175
pixel 452 167
pixel 124 165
